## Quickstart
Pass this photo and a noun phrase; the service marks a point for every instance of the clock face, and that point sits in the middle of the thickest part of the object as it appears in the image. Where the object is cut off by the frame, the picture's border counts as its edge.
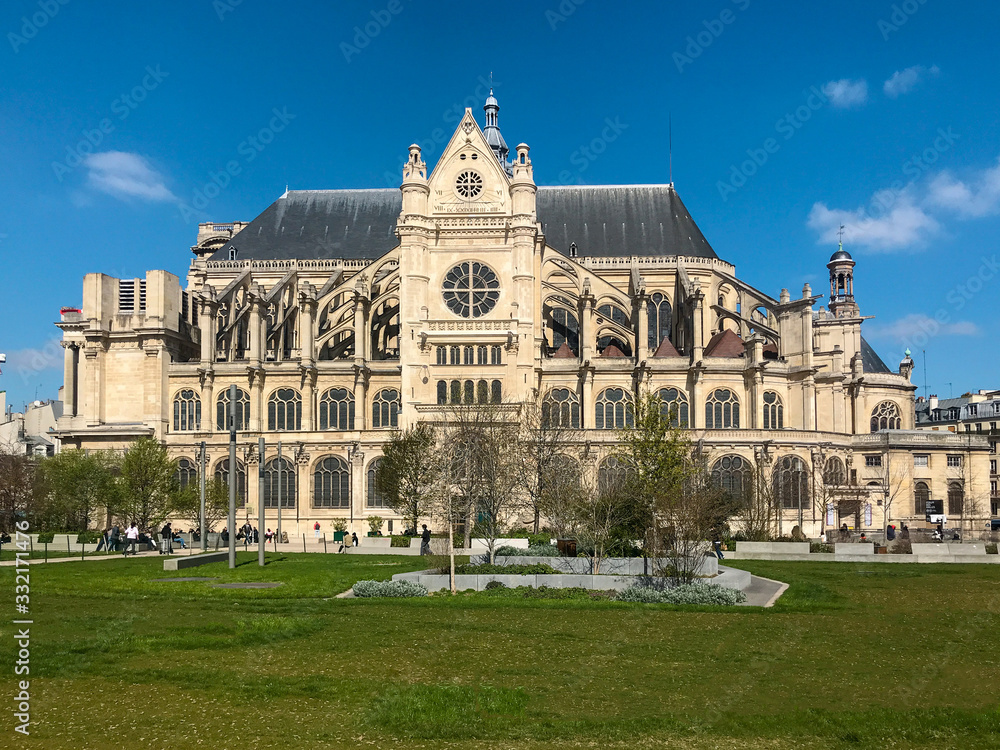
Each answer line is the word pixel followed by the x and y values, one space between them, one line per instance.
pixel 469 185
pixel 471 289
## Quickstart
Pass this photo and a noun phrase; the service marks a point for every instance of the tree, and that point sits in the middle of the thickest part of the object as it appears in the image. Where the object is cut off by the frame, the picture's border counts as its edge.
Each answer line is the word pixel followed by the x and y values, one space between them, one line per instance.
pixel 147 484
pixel 17 488
pixel 76 484
pixel 407 471
pixel 603 515
pixel 544 430
pixel 560 487
pixel 484 445
pixel 187 503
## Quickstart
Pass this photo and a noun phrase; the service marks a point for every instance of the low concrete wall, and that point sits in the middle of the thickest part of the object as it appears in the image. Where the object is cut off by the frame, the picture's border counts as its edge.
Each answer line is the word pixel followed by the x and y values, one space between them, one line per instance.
pixel 862 549
pixel 375 542
pixel 729 578
pixel 773 548
pixel 193 561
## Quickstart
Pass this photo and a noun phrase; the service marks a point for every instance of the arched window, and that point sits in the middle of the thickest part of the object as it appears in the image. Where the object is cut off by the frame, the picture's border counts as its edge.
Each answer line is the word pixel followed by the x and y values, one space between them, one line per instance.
pixel 455 391
pixel 561 408
pixel 279 474
pixel 222 410
pixel 385 409
pixel 375 498
pixel 221 474
pixel 956 498
pixel 658 317
pixel 336 410
pixel 732 475
pixel 332 484
pixel 565 328
pixel 496 391
pixel 615 315
pixel 921 494
pixel 834 473
pixel 774 411
pixel 442 392
pixel 791 483
pixel 442 355
pixel 886 417
pixel 612 475
pixel 187 411
pixel 614 409
pixel 186 473
pixel 722 410
pixel 482 357
pixel 469 392
pixel 284 410
pixel 674 404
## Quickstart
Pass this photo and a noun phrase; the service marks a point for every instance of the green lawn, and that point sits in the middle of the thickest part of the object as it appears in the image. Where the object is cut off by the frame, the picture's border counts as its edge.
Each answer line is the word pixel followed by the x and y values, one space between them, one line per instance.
pixel 897 656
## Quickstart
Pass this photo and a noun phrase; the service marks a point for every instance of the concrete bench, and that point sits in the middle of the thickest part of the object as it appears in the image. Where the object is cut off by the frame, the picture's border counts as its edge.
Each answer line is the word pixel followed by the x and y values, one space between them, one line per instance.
pixel 847 548
pixel 376 542
pixel 193 561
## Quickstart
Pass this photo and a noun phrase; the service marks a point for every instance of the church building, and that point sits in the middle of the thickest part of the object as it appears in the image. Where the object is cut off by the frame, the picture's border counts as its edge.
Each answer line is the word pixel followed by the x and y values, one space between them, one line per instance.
pixel 342 315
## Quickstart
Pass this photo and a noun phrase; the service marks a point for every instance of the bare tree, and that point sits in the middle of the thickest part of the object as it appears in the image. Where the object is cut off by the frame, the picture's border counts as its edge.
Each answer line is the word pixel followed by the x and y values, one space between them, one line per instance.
pixel 602 514
pixel 560 487
pixel 17 488
pixel 484 447
pixel 545 430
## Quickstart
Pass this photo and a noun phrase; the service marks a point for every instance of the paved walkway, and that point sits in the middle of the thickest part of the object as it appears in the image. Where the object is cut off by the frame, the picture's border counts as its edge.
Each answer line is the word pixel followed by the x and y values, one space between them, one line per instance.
pixel 763 592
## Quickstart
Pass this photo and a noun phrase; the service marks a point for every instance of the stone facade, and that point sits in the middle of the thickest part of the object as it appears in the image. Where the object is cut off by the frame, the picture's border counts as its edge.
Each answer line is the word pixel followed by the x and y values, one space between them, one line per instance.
pixel 339 322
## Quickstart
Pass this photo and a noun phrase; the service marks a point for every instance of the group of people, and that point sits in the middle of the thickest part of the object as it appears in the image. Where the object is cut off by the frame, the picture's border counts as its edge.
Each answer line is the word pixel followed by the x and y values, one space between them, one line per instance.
pixel 129 541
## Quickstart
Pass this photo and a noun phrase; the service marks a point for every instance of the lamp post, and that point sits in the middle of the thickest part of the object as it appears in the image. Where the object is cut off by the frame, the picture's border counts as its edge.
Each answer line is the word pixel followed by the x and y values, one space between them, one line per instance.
pixel 201 525
pixel 281 475
pixel 260 502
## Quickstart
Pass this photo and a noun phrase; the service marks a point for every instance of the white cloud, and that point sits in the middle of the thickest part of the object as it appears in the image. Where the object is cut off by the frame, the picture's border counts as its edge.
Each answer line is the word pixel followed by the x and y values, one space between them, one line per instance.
pixel 904 81
pixel 917 324
pixel 846 93
pixel 900 223
pixel 980 196
pixel 28 362
pixel 126 175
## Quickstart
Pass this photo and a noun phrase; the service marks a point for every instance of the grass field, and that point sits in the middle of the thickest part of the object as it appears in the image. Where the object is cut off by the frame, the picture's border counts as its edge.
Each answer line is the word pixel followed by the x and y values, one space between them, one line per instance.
pixel 899 656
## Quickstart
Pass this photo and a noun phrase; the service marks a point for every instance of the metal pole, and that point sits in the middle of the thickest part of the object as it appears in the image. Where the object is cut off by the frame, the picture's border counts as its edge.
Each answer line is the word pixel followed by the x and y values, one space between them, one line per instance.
pixel 232 477
pixel 260 502
pixel 281 475
pixel 201 527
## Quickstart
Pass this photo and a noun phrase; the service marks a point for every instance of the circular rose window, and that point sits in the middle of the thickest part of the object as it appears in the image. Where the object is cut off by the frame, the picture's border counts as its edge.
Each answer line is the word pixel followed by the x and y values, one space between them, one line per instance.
pixel 469 184
pixel 471 289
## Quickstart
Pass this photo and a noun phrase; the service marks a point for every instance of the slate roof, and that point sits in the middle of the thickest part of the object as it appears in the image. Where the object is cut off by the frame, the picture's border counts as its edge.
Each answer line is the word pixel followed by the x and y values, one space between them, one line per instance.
pixel 724 344
pixel 603 221
pixel 870 360
pixel 666 349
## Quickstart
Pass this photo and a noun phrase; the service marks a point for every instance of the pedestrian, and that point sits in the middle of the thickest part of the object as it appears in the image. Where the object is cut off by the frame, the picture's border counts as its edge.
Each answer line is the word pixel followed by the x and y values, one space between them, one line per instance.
pixel 224 536
pixel 116 535
pixel 717 545
pixel 267 535
pixel 844 532
pixel 354 539
pixel 904 532
pixel 316 529
pixel 166 539
pixel 131 537
pixel 425 541
pixel 890 532
pixel 105 538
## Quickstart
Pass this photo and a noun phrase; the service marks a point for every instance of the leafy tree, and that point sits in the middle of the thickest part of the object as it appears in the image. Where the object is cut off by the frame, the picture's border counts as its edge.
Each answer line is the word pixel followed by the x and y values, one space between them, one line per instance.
pixel 147 484
pixel 76 484
pixel 17 488
pixel 187 503
pixel 407 471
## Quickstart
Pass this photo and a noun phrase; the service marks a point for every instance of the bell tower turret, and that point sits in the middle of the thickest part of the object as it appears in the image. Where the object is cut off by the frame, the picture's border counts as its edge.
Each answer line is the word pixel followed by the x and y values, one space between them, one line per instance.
pixel 841 266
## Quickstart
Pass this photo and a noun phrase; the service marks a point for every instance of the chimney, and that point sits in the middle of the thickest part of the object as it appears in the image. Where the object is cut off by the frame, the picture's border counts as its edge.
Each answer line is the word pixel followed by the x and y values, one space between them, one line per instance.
pixel 933 402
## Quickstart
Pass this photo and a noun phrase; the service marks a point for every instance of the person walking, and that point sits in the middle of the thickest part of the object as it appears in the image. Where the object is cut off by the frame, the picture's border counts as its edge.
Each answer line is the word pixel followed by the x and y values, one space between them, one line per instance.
pixel 425 541
pixel 354 539
pixel 115 538
pixel 316 529
pixel 131 537
pixel 103 544
pixel 717 545
pixel 166 539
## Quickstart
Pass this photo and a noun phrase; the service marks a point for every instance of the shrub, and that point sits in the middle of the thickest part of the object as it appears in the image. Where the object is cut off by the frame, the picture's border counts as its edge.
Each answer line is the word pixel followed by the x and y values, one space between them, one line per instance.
pixel 88 537
pixel 535 550
pixel 374 524
pixel 536 540
pixel 684 594
pixel 820 547
pixel 991 549
pixel 398 540
pixel 512 570
pixel 495 585
pixel 46 537
pixel 901 547
pixel 398 589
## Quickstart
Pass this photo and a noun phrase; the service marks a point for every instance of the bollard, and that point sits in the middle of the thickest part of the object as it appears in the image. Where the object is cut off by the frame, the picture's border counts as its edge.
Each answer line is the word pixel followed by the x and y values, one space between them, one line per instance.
pixel 68 550
pixel 303 542
pixel 83 551
pixel 46 552
pixel 324 543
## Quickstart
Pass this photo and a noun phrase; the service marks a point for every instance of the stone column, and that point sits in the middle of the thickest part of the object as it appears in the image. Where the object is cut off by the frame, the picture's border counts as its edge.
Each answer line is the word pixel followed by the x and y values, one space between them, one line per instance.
pixel 357 463
pixel 308 399
pixel 697 343
pixel 360 398
pixel 207 321
pixel 587 408
pixel 208 402
pixel 69 379
pixel 256 323
pixel 307 310
pixel 642 349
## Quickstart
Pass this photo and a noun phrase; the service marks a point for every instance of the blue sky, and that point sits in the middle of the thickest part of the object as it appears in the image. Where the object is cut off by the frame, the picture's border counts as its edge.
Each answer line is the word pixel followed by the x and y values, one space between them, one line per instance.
pixel 118 120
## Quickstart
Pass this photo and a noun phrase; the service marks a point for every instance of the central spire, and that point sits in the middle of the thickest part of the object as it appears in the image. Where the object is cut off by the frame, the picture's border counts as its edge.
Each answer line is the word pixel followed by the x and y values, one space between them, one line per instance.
pixel 492 131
